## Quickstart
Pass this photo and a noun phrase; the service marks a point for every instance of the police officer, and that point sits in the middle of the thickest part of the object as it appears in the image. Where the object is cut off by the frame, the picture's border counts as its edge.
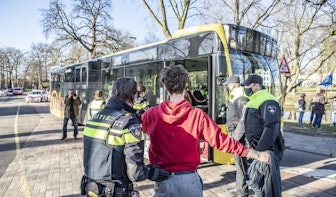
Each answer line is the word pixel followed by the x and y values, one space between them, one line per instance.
pixel 97 104
pixel 235 125
pixel 262 121
pixel 113 147
pixel 141 104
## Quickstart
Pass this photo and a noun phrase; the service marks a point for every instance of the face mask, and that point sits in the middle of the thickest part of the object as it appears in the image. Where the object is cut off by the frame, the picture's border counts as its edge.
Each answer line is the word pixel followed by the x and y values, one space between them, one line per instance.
pixel 248 91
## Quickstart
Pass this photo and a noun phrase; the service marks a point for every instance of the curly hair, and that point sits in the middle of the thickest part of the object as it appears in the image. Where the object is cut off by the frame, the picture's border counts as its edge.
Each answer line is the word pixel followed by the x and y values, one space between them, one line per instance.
pixel 174 78
pixel 124 88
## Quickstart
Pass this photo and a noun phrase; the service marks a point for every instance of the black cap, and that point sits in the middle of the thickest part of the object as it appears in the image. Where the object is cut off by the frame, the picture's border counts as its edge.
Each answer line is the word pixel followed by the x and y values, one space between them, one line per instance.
pixel 253 79
pixel 232 79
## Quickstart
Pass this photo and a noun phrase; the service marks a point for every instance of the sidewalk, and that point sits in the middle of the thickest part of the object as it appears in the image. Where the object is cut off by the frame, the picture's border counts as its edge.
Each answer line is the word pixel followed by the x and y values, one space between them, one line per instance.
pixel 47 166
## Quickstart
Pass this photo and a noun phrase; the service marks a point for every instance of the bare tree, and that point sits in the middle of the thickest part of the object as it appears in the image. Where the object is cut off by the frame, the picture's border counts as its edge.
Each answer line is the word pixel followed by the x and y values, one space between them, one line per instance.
pixel 2 69
pixel 164 10
pixel 255 14
pixel 11 60
pixel 304 38
pixel 89 23
pixel 41 58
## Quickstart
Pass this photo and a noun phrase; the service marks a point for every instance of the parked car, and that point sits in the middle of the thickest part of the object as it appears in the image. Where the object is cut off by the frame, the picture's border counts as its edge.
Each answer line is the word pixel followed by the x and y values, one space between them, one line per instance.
pixel 37 96
pixel 3 92
pixel 17 91
pixel 9 92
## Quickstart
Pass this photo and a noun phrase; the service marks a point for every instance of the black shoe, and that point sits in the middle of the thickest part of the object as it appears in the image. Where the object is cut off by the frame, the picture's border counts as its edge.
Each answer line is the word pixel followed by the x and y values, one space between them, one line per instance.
pixel 75 137
pixel 63 138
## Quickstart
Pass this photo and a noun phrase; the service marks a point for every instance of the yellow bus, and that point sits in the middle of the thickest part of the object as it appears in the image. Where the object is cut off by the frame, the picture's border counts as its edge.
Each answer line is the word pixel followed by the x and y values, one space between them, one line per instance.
pixel 210 53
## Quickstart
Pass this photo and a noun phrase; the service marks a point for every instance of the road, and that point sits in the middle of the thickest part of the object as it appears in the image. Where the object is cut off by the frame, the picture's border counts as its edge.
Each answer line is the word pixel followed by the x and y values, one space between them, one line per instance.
pixel 18 120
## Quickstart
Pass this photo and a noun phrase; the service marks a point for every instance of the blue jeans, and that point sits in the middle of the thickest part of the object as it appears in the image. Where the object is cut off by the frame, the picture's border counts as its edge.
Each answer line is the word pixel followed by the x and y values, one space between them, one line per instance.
pixel 65 124
pixel 318 120
pixel 334 118
pixel 300 118
pixel 180 185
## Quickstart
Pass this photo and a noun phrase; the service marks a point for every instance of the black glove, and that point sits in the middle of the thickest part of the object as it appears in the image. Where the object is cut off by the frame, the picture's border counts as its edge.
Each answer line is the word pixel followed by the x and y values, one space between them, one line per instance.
pixel 155 173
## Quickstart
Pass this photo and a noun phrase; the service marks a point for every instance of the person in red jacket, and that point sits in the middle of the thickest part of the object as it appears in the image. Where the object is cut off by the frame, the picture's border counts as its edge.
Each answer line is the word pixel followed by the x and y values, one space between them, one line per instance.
pixel 175 129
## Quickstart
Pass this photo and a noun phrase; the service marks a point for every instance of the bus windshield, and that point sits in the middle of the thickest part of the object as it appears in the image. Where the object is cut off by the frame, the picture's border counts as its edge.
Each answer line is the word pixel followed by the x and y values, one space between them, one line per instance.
pixel 244 64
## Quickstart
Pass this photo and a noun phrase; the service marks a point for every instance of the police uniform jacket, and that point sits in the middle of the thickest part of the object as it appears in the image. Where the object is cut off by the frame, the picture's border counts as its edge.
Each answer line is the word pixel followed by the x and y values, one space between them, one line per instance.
pixel 114 144
pixel 96 105
pixel 141 104
pixel 262 121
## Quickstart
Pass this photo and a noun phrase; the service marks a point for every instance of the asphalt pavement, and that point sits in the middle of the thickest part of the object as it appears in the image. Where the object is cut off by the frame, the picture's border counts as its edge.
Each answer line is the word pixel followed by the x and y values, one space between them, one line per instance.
pixel 47 166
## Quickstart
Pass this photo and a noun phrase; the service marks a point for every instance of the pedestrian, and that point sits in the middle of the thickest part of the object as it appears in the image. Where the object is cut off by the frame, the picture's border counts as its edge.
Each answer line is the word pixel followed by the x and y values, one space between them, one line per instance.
pixel 113 147
pixel 71 111
pixel 319 110
pixel 333 111
pixel 301 107
pixel 175 129
pixel 141 103
pixel 97 104
pixel 313 104
pixel 235 125
pixel 262 131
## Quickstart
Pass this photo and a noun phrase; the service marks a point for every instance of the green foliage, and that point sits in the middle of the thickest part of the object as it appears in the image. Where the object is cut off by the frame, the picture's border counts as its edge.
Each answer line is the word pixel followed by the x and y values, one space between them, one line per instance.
pixel 291 98
pixel 326 128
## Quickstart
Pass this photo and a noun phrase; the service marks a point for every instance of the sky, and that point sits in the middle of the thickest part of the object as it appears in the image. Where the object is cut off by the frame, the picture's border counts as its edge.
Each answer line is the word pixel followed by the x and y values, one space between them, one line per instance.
pixel 20 21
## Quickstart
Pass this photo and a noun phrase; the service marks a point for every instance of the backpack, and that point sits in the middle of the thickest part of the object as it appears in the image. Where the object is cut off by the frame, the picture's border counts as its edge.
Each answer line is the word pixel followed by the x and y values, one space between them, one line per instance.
pixel 314 106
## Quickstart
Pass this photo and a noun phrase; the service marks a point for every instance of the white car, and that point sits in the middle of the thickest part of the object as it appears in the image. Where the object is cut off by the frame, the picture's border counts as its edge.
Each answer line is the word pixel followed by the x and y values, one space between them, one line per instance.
pixel 3 92
pixel 37 96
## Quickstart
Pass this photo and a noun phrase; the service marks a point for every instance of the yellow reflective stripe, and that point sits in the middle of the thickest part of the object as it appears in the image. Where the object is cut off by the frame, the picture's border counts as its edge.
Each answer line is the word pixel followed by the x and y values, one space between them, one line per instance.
pixel 116 137
pixel 125 138
pixel 99 124
pixel 130 138
pixel 97 104
pixel 92 194
pixel 142 105
pixel 115 140
pixel 117 132
pixel 95 133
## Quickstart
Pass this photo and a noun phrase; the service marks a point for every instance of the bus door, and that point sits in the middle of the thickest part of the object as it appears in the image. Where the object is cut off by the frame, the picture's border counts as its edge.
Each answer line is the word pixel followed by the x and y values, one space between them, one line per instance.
pixel 198 90
pixel 91 81
pixel 81 88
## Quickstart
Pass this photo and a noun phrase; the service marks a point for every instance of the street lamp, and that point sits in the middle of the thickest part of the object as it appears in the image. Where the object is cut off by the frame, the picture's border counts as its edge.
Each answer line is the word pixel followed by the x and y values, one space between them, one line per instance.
pixel 132 40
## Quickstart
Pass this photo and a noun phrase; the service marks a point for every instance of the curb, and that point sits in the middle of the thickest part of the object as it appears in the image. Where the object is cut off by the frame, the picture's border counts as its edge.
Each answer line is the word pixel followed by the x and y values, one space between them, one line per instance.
pixel 306 151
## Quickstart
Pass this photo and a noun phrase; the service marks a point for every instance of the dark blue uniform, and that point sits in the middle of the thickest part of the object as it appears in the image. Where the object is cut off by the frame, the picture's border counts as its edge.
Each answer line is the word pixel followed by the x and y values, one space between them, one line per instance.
pixel 113 149
pixel 262 121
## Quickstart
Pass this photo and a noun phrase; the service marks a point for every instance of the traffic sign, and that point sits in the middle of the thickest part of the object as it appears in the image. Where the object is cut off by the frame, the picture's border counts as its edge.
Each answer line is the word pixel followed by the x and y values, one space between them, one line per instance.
pixel 283 66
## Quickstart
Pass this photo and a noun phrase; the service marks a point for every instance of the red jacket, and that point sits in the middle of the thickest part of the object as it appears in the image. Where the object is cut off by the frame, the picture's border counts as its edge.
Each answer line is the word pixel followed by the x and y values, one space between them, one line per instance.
pixel 175 130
